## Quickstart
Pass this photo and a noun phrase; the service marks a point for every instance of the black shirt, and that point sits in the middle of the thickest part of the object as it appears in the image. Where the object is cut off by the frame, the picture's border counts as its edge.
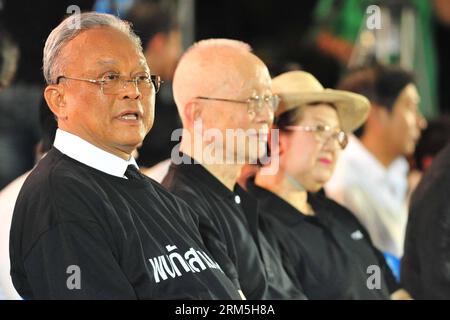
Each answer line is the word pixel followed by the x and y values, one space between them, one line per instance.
pixel 128 239
pixel 329 252
pixel 425 267
pixel 229 225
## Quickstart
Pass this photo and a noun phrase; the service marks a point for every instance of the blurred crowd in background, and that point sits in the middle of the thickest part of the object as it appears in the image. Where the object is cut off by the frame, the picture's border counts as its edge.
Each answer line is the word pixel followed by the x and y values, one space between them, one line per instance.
pixel 323 37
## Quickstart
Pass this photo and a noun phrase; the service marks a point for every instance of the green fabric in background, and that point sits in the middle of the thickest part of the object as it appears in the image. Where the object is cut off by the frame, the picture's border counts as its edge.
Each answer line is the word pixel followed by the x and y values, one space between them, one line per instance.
pixel 345 18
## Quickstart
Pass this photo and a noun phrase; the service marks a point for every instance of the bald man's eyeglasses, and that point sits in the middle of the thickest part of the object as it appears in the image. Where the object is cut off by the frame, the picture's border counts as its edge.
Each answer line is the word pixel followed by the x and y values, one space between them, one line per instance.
pixel 255 104
pixel 112 83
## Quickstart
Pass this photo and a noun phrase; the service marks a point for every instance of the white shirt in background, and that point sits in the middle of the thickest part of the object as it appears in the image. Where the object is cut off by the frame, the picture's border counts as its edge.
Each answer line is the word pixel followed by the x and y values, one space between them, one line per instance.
pixel 159 171
pixel 375 194
pixel 8 198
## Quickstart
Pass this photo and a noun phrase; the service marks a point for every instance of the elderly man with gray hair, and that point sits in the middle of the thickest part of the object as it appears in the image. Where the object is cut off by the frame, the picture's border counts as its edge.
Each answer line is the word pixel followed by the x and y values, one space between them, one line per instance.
pixel 87 224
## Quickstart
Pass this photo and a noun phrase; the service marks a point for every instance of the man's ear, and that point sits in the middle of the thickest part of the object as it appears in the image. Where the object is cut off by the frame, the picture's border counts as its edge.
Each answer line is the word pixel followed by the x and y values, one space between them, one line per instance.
pixel 192 112
pixel 54 96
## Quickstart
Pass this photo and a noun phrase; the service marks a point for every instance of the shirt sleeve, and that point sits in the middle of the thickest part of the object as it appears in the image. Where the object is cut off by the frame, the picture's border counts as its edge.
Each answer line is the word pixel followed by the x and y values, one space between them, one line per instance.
pixel 73 261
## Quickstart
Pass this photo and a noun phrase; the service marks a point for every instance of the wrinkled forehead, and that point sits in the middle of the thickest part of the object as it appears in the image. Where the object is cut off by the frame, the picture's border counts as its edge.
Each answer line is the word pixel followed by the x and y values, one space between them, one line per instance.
pixel 103 48
pixel 113 62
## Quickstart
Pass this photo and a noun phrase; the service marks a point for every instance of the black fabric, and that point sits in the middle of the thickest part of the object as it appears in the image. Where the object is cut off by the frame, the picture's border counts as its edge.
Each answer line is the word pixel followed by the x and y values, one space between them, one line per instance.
pixel 133 173
pixel 131 239
pixel 319 250
pixel 229 226
pixel 425 267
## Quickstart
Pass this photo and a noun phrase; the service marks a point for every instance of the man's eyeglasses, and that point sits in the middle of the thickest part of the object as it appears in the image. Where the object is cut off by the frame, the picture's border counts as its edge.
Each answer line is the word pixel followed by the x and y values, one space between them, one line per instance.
pixel 324 133
pixel 255 104
pixel 112 83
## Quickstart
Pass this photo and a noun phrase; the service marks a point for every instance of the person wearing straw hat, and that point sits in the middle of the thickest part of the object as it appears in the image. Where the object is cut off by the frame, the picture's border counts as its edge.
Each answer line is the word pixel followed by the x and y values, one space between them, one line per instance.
pixel 324 245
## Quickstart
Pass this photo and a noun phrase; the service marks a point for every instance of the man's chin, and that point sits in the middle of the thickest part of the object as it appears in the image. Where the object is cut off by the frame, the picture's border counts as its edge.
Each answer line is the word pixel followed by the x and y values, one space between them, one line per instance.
pixel 130 146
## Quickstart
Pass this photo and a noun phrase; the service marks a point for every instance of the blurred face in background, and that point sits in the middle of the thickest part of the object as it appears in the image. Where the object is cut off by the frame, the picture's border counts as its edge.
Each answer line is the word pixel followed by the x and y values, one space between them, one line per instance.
pixel 163 53
pixel 307 154
pixel 172 52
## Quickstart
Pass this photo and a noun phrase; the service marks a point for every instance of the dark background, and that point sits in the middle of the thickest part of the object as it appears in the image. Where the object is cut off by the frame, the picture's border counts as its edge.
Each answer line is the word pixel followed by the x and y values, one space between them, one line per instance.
pixel 277 30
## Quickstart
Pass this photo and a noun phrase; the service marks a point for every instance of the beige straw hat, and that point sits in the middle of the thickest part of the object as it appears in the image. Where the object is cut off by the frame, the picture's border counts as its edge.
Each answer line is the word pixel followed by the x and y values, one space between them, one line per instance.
pixel 299 88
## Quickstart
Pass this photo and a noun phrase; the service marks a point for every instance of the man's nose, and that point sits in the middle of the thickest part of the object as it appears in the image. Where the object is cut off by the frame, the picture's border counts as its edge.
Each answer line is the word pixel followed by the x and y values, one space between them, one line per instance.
pixel 265 114
pixel 130 90
pixel 421 121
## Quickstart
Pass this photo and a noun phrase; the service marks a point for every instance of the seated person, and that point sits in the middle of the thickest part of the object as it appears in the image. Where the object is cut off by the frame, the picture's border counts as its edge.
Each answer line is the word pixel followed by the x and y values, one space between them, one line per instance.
pixel 87 224
pixel 220 86
pixel 425 265
pixel 324 245
pixel 371 176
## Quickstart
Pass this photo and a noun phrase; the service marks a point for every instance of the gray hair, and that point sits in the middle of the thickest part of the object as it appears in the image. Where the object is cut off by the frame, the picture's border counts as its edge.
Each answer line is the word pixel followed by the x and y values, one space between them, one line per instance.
pixel 69 29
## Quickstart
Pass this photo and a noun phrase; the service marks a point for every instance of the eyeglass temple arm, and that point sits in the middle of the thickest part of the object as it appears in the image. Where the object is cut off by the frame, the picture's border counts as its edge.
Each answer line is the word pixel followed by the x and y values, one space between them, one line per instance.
pixel 221 99
pixel 80 79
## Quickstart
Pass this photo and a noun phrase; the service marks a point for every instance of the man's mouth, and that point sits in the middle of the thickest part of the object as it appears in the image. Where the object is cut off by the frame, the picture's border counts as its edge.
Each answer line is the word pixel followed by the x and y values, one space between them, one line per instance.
pixel 129 116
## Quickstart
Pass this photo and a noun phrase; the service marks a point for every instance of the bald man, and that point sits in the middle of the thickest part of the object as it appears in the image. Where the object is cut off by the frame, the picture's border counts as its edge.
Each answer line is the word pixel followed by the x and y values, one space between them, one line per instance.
pixel 221 88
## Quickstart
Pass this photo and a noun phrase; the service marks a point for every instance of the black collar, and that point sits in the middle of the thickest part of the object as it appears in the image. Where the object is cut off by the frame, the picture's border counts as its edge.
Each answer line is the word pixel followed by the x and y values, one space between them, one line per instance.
pixel 271 204
pixel 198 175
